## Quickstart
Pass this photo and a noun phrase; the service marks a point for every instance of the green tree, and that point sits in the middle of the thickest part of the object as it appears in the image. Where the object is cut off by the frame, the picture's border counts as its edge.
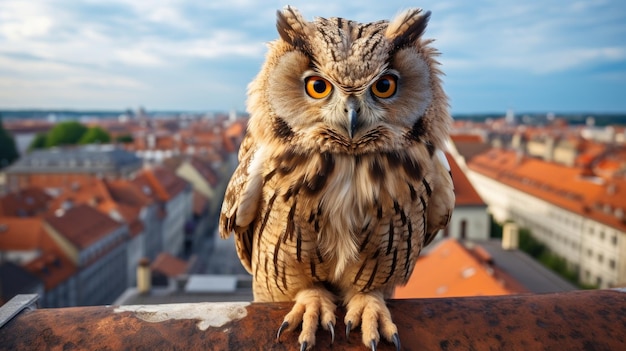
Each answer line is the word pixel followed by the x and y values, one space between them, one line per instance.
pixel 124 138
pixel 95 135
pixel 39 142
pixel 65 133
pixel 8 150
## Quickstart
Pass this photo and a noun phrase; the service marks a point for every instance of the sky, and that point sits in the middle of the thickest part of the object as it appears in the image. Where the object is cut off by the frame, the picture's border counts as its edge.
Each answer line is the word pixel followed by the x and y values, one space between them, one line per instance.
pixel 183 55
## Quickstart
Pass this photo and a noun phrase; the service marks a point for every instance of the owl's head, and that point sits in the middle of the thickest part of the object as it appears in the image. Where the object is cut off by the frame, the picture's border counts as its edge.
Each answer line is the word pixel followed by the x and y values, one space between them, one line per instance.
pixel 335 85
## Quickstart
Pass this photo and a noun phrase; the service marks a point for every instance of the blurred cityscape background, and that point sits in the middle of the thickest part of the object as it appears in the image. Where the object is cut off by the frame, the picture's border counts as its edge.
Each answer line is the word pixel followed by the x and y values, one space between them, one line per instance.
pixel 102 204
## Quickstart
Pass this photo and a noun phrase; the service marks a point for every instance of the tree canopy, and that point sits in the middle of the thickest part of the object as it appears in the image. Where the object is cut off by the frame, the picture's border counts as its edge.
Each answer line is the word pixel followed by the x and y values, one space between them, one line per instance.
pixel 39 142
pixel 70 133
pixel 8 150
pixel 124 138
pixel 95 135
pixel 65 133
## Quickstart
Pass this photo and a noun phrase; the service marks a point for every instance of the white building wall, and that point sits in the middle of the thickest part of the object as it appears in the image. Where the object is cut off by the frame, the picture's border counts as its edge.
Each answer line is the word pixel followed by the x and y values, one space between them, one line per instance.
pixel 476 227
pixel 597 251
pixel 600 255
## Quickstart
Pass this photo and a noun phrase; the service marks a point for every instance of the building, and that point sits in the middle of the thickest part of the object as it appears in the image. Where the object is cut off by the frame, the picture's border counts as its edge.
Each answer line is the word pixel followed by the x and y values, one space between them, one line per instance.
pixel 26 243
pixel 470 220
pixel 577 214
pixel 175 201
pixel 15 280
pixel 58 167
pixel 26 202
pixel 96 245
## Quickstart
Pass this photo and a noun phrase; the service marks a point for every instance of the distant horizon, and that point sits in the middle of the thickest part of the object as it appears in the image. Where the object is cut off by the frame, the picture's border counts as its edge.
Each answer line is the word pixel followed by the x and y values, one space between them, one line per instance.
pixel 152 111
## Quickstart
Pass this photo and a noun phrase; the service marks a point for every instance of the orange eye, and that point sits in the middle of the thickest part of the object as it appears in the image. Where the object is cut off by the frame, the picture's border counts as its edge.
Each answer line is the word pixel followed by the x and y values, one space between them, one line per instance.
pixel 385 87
pixel 318 87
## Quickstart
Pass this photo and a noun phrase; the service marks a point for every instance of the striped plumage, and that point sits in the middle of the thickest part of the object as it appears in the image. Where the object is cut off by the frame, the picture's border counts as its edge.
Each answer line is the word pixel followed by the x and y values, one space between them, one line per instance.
pixel 340 183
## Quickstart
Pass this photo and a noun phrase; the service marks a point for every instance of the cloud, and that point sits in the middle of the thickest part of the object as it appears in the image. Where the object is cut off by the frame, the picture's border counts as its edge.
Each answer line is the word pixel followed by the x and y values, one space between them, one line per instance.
pixel 142 47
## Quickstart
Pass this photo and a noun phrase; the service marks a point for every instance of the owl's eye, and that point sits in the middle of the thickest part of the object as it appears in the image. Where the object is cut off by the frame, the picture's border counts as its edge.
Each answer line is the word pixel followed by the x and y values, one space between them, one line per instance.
pixel 318 87
pixel 385 87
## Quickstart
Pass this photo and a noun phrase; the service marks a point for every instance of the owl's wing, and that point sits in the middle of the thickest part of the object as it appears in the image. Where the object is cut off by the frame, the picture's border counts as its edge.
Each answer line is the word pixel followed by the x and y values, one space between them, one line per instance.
pixel 241 201
pixel 442 199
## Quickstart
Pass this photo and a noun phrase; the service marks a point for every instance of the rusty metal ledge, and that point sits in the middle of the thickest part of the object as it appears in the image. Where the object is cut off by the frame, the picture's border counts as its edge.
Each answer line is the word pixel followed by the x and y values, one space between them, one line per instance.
pixel 579 320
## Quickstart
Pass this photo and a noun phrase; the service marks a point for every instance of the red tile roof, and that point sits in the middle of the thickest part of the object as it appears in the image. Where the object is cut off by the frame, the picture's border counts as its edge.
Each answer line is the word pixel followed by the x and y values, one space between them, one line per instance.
pixel 163 183
pixel 29 201
pixel 449 269
pixel 464 191
pixel 28 234
pixel 570 188
pixel 125 192
pixel 52 267
pixel 21 234
pixel 82 225
pixel 169 265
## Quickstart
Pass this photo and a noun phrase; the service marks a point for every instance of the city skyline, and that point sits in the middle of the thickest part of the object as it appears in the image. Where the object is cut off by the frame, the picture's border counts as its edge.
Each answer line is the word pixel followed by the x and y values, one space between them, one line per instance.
pixel 186 55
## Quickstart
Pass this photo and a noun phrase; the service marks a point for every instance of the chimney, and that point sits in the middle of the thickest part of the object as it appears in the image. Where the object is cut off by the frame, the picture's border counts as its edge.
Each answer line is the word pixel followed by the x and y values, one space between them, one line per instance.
pixel 510 236
pixel 144 276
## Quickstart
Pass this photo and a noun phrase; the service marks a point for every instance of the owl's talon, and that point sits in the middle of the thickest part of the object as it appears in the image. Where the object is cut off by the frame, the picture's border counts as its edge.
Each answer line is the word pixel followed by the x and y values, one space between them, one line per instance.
pixel 373 345
pixel 396 341
pixel 331 328
pixel 303 346
pixel 283 326
pixel 348 329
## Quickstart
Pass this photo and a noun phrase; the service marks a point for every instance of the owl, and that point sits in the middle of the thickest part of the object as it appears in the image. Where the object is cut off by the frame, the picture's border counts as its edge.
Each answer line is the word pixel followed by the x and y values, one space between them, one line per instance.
pixel 341 178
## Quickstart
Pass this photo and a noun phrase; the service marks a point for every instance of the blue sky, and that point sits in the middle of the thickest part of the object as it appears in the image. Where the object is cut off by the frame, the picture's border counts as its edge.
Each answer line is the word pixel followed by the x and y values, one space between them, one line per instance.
pixel 536 56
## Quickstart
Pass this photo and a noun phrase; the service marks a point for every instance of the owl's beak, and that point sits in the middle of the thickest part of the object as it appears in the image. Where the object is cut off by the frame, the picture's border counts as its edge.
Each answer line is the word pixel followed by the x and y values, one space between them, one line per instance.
pixel 354 121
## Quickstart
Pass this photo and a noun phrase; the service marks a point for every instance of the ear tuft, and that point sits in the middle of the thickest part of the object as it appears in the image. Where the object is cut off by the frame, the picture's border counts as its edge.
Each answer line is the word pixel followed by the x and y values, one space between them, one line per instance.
pixel 293 28
pixel 407 28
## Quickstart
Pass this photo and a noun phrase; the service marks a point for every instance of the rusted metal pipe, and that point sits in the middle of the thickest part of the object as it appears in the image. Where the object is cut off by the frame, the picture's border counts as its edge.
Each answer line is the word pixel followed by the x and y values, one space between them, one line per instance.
pixel 579 320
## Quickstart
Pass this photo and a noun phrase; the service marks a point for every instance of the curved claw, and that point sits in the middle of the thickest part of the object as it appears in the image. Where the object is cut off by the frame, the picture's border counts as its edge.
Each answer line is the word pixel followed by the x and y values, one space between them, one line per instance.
pixel 348 328
pixel 396 341
pixel 331 328
pixel 304 346
pixel 280 330
pixel 373 345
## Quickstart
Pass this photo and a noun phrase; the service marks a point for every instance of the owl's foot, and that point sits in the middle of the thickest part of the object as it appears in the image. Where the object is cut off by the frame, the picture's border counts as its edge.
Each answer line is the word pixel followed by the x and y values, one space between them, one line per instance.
pixel 369 310
pixel 312 307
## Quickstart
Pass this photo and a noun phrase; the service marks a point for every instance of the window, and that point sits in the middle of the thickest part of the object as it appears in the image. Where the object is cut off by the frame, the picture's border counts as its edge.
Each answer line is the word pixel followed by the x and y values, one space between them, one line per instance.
pixel 612 264
pixel 463 233
pixel 600 258
pixel 614 240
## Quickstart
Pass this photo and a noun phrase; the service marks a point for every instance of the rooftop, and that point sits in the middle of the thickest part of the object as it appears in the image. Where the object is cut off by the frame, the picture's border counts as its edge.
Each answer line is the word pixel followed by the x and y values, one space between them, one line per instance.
pixel 450 269
pixel 85 159
pixel 578 320
pixel 465 194
pixel 527 271
pixel 82 225
pixel 567 187
pixel 168 265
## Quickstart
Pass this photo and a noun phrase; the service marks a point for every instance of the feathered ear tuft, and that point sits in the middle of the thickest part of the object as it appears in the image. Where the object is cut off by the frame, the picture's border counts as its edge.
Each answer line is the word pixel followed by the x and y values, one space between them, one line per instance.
pixel 293 28
pixel 407 28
